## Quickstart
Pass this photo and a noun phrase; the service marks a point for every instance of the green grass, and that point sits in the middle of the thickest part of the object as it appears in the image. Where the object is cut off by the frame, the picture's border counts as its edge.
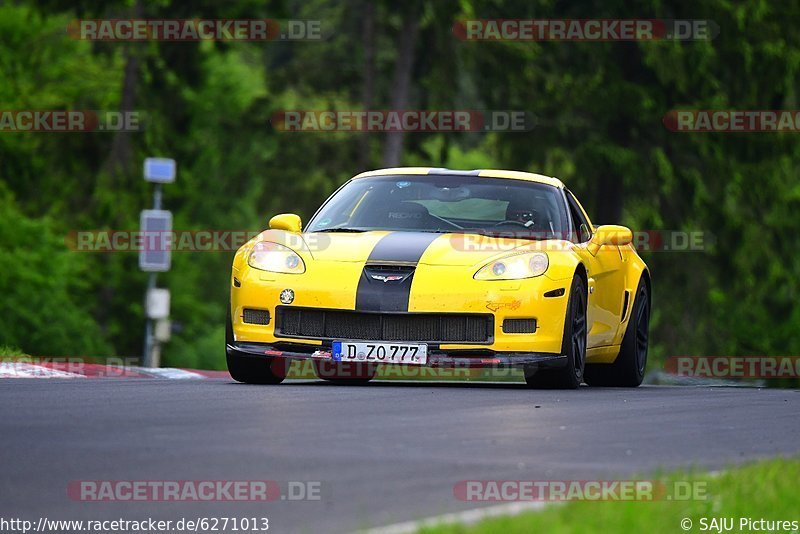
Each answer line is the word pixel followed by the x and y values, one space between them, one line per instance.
pixel 10 352
pixel 765 490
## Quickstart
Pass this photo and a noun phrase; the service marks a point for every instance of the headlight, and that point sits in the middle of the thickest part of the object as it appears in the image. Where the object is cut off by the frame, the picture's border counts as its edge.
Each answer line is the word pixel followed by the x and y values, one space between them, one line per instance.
pixel 514 267
pixel 268 256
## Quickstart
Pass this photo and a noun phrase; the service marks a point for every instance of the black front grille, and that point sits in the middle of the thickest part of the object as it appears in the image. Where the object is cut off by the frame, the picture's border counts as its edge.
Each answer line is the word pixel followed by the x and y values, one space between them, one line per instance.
pixel 413 327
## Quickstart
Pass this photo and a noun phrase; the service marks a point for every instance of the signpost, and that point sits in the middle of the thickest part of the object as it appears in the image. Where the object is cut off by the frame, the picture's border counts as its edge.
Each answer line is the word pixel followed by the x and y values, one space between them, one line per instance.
pixel 156 257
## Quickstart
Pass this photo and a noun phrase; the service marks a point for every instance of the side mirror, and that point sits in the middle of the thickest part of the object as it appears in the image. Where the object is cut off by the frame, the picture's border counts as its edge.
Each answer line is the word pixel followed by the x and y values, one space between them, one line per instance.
pixel 286 221
pixel 611 234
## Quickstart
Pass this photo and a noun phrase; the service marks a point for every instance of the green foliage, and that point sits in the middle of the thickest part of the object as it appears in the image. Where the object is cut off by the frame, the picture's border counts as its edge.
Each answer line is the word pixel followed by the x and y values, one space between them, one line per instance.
pixel 44 290
pixel 11 353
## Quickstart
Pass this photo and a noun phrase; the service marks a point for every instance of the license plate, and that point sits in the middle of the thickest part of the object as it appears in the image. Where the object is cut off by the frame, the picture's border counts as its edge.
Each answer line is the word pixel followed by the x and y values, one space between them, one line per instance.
pixel 403 353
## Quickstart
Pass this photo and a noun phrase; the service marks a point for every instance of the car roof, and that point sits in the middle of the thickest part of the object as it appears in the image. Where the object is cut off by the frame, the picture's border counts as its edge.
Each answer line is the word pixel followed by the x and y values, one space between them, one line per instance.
pixel 489 173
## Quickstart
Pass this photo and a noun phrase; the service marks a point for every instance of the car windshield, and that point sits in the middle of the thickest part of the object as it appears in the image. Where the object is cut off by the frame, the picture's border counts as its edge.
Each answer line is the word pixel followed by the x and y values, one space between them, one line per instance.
pixel 445 203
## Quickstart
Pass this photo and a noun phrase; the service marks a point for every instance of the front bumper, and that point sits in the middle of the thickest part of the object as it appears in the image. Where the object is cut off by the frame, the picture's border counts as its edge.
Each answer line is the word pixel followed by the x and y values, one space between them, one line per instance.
pixel 436 357
pixel 436 289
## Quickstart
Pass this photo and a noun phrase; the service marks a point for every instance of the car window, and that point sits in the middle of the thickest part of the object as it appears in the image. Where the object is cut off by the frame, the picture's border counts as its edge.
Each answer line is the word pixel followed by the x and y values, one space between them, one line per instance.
pixel 445 203
pixel 581 229
pixel 480 209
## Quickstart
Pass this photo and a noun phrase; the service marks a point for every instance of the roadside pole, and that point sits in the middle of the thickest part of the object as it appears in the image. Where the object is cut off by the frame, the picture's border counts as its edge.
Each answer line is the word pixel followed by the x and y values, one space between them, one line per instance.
pixel 155 256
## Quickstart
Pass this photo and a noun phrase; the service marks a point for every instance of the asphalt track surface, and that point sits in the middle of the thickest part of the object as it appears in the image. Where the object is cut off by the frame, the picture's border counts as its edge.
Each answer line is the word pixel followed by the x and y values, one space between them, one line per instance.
pixel 385 453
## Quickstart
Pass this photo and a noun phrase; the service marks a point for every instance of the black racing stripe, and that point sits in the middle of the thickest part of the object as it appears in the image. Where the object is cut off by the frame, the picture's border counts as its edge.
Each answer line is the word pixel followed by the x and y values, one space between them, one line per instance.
pixel 405 248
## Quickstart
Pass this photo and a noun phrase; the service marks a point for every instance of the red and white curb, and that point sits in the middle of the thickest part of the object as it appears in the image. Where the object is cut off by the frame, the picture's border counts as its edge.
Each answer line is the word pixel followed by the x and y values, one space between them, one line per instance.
pixel 94 370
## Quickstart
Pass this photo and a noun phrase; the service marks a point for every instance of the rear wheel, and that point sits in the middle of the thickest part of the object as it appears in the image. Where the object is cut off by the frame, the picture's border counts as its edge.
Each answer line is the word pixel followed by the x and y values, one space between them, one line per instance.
pixel 573 345
pixel 628 369
pixel 350 374
pixel 252 369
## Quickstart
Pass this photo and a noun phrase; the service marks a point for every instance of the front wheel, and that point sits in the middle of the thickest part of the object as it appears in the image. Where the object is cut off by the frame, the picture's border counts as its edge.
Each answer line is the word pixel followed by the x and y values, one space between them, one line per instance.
pixel 573 346
pixel 628 369
pixel 256 370
pixel 252 369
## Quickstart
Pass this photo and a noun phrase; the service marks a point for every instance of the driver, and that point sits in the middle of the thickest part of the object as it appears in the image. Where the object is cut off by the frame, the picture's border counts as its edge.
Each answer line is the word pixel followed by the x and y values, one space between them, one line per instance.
pixel 523 213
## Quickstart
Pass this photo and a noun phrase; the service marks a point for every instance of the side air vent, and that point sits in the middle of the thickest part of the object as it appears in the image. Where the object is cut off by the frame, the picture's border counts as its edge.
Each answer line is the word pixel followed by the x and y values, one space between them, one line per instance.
pixel 625 305
pixel 555 293
pixel 519 326
pixel 252 316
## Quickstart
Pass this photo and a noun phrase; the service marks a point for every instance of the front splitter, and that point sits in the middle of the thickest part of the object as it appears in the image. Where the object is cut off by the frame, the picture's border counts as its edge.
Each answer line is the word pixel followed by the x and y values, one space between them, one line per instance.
pixel 436 358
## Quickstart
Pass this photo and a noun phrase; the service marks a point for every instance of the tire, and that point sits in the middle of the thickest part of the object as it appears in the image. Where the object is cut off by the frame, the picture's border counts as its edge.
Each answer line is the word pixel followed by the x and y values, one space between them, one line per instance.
pixel 627 371
pixel 573 345
pixel 345 374
pixel 252 369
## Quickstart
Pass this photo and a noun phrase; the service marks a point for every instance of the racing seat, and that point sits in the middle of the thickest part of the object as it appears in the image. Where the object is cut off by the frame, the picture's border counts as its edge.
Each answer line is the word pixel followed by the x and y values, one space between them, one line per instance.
pixel 402 214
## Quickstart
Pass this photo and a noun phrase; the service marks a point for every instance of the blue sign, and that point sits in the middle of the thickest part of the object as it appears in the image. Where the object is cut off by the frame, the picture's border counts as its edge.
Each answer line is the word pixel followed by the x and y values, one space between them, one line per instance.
pixel 159 170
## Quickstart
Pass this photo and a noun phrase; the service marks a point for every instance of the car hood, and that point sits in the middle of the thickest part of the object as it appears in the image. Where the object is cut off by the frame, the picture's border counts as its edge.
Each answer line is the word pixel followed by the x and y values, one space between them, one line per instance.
pixel 422 247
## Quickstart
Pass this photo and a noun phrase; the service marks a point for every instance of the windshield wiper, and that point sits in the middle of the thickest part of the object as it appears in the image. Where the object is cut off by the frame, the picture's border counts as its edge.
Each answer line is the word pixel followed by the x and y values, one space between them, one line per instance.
pixel 350 230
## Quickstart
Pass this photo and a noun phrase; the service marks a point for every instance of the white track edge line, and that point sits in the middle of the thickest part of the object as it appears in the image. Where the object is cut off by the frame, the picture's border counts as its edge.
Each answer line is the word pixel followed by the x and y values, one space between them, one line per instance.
pixel 475 515
pixel 466 517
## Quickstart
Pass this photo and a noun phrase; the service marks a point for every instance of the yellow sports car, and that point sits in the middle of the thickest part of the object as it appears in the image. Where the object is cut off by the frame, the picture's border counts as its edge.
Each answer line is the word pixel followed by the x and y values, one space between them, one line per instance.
pixel 442 268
